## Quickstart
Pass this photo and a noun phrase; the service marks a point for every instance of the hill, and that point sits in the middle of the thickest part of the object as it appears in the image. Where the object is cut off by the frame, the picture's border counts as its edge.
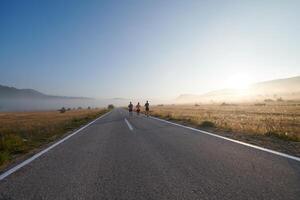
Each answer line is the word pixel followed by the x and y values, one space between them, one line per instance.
pixel 12 93
pixel 14 99
pixel 288 89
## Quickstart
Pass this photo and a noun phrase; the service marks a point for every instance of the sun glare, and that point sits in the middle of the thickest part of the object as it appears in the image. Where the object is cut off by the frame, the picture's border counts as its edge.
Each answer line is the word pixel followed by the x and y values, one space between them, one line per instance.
pixel 238 81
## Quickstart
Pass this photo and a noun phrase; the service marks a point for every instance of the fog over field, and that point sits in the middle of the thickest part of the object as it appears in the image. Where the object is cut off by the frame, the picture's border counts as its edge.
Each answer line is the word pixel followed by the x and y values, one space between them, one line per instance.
pixel 25 104
pixel 30 104
pixel 13 99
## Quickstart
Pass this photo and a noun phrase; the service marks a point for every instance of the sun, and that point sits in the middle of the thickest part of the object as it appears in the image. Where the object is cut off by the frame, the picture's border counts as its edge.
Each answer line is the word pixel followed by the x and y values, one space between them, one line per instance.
pixel 238 81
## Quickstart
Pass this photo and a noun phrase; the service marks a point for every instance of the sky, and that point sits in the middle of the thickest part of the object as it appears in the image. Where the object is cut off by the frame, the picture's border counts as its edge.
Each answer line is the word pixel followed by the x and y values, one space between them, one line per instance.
pixel 146 49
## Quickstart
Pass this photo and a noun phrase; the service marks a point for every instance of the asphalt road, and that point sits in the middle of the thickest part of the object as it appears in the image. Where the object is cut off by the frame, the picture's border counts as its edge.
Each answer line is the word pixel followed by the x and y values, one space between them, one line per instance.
pixel 152 160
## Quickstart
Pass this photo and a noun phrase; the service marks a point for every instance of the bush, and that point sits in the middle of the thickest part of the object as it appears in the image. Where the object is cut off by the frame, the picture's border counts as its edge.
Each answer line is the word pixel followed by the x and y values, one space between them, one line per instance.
pixel 62 110
pixel 207 124
pixel 268 100
pixel 4 156
pixel 12 143
pixel 110 106
pixel 280 100
pixel 228 104
pixel 259 104
pixel 283 136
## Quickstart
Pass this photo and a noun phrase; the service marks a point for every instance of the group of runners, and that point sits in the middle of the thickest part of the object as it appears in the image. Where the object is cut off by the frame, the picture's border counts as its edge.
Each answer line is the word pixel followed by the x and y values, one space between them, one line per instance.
pixel 138 108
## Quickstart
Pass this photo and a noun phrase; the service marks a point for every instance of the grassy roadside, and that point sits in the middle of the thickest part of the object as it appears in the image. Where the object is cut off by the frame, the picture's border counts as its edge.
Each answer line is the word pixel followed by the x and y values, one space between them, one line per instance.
pixel 22 133
pixel 272 126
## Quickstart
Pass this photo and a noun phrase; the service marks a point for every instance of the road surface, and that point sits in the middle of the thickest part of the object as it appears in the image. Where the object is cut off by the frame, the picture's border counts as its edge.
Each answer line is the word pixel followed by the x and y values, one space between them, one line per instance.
pixel 135 157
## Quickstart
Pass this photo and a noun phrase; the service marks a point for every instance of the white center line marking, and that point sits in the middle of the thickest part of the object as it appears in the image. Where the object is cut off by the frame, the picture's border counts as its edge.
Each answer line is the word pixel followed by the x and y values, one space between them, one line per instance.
pixel 128 124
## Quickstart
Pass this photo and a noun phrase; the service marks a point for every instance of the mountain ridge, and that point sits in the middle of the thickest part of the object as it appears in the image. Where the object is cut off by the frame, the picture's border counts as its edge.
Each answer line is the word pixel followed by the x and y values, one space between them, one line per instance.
pixel 7 92
pixel 288 88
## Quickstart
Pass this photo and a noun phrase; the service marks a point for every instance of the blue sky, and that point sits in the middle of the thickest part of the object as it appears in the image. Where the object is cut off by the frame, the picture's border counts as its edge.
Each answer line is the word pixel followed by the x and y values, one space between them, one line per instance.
pixel 146 49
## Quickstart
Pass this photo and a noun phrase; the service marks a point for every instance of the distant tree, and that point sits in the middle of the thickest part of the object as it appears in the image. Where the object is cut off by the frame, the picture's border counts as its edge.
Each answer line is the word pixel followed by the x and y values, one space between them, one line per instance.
pixel 268 100
pixel 110 106
pixel 79 108
pixel 62 110
pixel 259 104
pixel 68 109
pixel 89 108
pixel 280 99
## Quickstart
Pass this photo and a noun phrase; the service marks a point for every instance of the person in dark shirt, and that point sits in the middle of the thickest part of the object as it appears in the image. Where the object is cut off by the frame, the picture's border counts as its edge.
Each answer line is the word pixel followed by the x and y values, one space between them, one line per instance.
pixel 130 108
pixel 147 108
pixel 138 108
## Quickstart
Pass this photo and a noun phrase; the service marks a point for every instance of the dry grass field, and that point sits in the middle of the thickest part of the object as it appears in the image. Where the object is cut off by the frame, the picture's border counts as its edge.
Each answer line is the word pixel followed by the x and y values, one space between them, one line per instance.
pixel 275 125
pixel 22 132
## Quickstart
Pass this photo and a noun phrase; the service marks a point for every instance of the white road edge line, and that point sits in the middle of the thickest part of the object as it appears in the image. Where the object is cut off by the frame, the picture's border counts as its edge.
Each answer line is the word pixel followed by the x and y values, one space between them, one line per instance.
pixel 232 140
pixel 128 124
pixel 29 160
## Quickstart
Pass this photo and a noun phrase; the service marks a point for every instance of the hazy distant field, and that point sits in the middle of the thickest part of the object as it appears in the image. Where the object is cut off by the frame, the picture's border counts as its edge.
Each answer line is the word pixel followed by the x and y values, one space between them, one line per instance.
pixel 21 132
pixel 273 120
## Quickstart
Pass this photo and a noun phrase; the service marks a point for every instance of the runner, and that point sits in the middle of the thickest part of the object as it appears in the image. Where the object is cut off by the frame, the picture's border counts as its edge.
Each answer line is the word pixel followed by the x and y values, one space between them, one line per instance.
pixel 147 108
pixel 130 108
pixel 138 106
